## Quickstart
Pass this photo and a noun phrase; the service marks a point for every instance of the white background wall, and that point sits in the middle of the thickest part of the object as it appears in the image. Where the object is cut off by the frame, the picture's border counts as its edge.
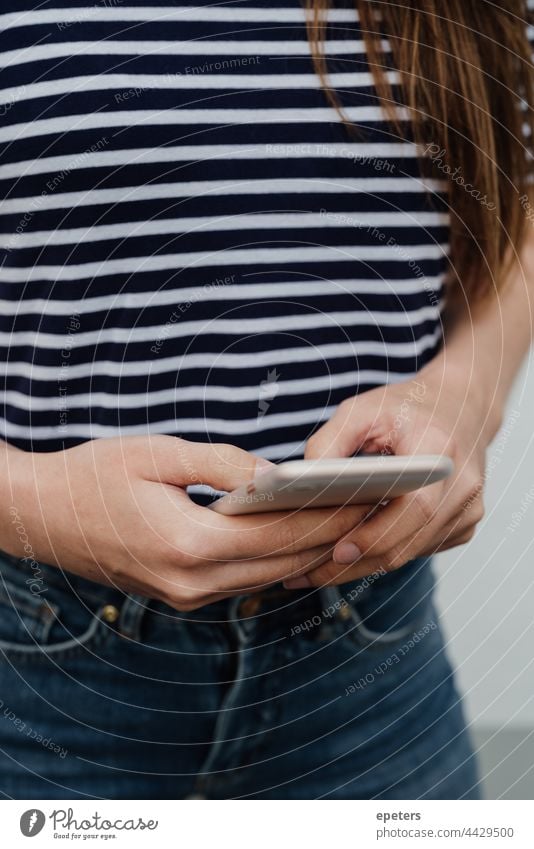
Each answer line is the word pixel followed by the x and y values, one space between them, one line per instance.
pixel 486 589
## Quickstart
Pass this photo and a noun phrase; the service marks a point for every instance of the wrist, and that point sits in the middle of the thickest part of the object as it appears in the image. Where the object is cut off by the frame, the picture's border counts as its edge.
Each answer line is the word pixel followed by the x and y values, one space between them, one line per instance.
pixel 474 391
pixel 16 499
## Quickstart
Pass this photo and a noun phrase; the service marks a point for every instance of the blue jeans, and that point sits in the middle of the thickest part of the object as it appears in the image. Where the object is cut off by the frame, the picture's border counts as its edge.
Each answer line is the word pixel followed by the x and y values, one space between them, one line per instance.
pixel 342 693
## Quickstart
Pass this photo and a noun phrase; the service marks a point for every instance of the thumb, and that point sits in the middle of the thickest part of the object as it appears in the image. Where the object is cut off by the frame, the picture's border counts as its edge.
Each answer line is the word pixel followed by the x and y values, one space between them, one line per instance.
pixel 344 434
pixel 219 465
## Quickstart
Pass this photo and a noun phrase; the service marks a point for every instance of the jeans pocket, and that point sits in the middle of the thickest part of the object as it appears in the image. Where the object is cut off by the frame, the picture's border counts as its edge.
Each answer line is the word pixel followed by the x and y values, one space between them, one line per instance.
pixel 41 615
pixel 388 609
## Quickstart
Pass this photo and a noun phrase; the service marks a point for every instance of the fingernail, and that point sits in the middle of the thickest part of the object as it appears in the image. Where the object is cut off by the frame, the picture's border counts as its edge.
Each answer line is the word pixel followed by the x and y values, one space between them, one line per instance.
pixel 298 583
pixel 262 465
pixel 346 553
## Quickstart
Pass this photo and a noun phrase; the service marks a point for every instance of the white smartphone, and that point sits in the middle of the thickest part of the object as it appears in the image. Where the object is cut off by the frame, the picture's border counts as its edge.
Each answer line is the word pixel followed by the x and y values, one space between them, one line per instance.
pixel 332 483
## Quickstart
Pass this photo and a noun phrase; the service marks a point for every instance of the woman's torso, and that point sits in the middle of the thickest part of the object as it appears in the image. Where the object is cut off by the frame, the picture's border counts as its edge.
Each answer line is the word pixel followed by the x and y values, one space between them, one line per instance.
pixel 191 241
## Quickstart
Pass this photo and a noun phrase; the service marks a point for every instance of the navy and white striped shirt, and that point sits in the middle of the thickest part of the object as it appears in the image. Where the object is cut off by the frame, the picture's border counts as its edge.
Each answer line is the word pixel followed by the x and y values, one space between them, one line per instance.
pixel 191 242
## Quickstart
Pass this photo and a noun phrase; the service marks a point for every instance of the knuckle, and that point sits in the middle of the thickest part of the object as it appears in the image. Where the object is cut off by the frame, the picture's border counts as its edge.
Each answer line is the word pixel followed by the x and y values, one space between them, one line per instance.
pixel 224 452
pixel 351 518
pixel 185 598
pixel 155 442
pixel 327 574
pixel 396 557
pixel 286 536
pixel 191 549
pixel 473 487
pixel 425 506
pixel 226 456
pixel 372 547
pixel 297 561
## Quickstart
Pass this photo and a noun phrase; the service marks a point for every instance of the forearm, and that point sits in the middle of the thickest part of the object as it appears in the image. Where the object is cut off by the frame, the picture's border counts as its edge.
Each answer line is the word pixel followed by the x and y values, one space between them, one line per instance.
pixel 485 346
pixel 13 502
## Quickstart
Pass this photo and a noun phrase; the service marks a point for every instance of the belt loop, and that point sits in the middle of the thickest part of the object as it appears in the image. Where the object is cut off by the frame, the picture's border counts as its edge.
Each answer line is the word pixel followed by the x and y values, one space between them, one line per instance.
pixel 132 613
pixel 329 596
pixel 241 627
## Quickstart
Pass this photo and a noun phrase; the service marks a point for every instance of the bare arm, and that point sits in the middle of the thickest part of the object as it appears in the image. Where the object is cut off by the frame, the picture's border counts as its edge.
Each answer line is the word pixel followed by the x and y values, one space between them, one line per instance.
pixel 455 407
pixel 485 347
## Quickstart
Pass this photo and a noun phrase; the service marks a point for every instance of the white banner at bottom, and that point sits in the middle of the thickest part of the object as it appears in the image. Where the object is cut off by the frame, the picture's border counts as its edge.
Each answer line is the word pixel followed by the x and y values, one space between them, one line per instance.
pixel 268 824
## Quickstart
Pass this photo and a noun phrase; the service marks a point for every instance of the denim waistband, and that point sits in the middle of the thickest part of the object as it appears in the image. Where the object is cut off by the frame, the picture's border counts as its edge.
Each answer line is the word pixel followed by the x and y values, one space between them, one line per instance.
pixel 379 597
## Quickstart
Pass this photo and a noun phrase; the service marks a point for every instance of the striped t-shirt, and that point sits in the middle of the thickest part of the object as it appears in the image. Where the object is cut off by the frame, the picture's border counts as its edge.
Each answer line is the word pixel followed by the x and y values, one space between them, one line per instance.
pixel 192 242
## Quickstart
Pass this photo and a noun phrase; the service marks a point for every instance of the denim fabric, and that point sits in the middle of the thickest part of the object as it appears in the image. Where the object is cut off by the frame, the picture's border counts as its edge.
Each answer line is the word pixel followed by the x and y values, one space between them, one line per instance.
pixel 342 693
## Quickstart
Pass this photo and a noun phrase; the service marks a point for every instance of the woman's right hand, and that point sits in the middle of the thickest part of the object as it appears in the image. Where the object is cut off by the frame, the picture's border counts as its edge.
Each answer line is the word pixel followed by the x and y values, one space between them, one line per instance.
pixel 116 511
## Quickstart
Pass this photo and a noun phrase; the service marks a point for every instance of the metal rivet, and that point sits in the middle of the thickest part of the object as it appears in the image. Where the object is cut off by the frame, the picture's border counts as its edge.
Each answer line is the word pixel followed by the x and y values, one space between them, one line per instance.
pixel 344 613
pixel 110 613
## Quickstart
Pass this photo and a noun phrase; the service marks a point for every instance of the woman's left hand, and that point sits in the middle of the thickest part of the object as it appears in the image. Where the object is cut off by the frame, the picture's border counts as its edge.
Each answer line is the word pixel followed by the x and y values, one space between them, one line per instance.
pixel 435 413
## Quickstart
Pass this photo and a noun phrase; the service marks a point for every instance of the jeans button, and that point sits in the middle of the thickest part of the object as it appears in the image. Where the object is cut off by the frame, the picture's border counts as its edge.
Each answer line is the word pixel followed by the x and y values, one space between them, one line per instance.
pixel 344 613
pixel 110 613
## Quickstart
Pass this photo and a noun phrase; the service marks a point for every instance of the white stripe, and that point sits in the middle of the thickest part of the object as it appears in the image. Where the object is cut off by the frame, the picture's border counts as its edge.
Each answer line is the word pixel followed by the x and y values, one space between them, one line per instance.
pixel 191 425
pixel 204 47
pixel 281 450
pixel 221 289
pixel 9 430
pixel 235 327
pixel 158 14
pixel 91 430
pixel 211 152
pixel 278 451
pixel 267 359
pixel 178 394
pixel 127 86
pixel 219 188
pixel 260 359
pixel 259 221
pixel 170 117
pixel 225 258
pixel 229 427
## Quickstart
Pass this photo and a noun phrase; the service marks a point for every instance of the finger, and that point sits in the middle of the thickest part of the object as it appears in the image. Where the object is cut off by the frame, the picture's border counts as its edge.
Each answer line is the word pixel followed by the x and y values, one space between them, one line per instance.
pixel 411 526
pixel 453 541
pixel 389 530
pixel 235 578
pixel 183 463
pixel 345 432
pixel 198 603
pixel 239 576
pixel 218 538
pixel 332 573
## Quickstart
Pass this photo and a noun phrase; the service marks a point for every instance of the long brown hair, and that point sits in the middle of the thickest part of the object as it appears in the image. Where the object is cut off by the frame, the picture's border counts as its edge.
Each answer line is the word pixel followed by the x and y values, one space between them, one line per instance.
pixel 466 77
